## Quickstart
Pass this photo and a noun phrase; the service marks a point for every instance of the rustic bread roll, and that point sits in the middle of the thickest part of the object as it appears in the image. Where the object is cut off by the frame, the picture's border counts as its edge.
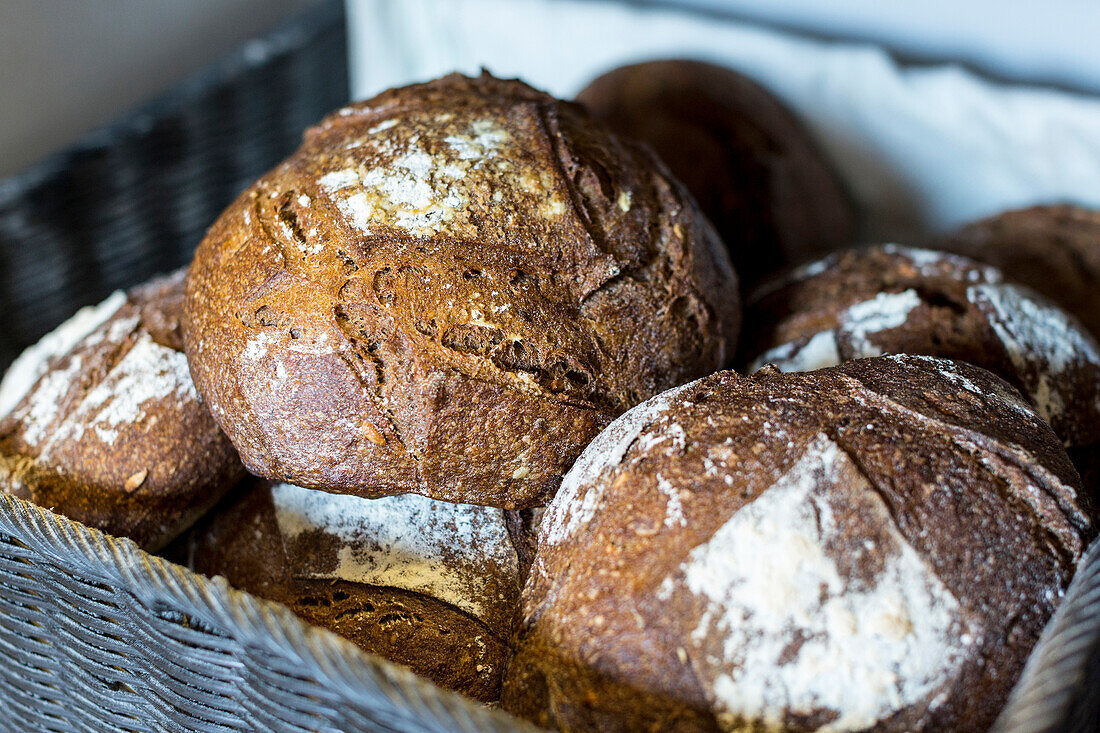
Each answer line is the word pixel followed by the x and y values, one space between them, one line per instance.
pixel 891 299
pixel 872 546
pixel 448 290
pixel 754 169
pixel 1053 249
pixel 428 584
pixel 100 421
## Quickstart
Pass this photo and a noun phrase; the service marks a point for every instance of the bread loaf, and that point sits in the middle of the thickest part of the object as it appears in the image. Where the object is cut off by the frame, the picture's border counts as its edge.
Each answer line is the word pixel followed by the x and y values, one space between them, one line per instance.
pixel 872 546
pixel 448 290
pixel 1053 249
pixel 892 299
pixel 753 167
pixel 100 421
pixel 424 583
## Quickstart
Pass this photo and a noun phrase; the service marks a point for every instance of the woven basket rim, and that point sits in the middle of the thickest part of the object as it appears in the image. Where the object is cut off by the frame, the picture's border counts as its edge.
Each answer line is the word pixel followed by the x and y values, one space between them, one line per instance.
pixel 336 662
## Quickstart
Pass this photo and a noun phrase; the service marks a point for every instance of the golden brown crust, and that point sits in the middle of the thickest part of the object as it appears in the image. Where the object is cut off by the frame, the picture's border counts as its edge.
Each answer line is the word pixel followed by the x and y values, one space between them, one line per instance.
pixel 108 428
pixel 753 168
pixel 448 290
pixel 272 542
pixel 701 559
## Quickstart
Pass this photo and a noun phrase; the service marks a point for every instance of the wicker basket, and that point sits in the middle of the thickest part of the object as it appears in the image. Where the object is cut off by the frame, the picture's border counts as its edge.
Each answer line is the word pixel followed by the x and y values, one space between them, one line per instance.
pixel 96 635
pixel 133 199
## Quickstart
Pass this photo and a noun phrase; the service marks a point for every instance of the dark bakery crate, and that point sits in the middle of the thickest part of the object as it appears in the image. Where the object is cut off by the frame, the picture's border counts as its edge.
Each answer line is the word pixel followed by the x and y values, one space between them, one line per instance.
pixel 134 198
pixel 96 635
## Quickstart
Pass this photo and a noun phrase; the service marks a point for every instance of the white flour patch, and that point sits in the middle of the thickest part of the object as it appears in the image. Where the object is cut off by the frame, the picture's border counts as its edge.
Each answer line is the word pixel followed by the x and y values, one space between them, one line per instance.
pixel 414 184
pixel 29 367
pixel 580 493
pixel 811 269
pixel 414 191
pixel 798 635
pixel 818 352
pixel 671 433
pixel 44 404
pixel 482 141
pixel 674 508
pixel 1036 334
pixel 382 127
pixel 408 542
pixel 148 372
pixel 881 313
pixel 339 180
pixel 258 346
pixel 859 322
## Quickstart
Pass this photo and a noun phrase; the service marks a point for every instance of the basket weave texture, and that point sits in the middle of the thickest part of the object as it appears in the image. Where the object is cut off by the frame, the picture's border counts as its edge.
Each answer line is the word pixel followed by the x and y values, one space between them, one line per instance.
pixel 134 199
pixel 97 635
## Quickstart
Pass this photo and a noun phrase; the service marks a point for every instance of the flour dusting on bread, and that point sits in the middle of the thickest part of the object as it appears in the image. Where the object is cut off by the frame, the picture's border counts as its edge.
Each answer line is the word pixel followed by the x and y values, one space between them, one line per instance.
pixel 581 492
pixel 410 542
pixel 29 367
pixel 800 632
pixel 1034 332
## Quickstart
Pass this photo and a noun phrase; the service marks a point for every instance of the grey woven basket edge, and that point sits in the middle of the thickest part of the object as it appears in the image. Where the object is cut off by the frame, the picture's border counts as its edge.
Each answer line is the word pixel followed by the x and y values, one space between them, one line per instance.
pixel 1055 672
pixel 256 622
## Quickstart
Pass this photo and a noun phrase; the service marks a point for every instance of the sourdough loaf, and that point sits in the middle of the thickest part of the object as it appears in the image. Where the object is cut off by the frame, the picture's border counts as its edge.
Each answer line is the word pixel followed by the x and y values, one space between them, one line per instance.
pixel 891 299
pixel 754 169
pixel 100 421
pixel 872 546
pixel 449 290
pixel 424 583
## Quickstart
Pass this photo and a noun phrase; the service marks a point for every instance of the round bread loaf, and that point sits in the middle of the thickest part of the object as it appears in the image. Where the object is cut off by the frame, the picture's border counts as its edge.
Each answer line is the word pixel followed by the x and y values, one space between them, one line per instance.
pixel 754 169
pixel 100 421
pixel 449 290
pixel 871 546
pixel 424 583
pixel 1053 249
pixel 899 300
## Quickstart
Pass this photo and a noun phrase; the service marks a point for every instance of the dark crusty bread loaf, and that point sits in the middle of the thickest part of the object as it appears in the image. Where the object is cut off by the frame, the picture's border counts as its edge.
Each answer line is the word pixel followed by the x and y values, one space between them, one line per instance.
pixel 100 421
pixel 754 169
pixel 424 583
pixel 448 290
pixel 872 546
pixel 892 300
pixel 1053 249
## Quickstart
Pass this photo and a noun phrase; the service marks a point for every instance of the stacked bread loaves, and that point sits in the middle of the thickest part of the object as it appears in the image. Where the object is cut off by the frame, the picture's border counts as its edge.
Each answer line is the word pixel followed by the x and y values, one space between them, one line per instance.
pixel 454 338
pixel 872 546
pixel 891 299
pixel 441 297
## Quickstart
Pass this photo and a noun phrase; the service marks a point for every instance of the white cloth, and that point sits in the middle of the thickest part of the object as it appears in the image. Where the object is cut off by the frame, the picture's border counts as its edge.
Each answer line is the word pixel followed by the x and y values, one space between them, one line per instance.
pixel 922 148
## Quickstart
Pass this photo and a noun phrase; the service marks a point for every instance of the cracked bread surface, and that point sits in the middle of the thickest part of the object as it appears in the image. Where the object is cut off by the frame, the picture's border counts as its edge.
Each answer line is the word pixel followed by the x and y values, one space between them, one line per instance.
pixel 448 290
pixel 892 299
pixel 874 546
pixel 104 425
